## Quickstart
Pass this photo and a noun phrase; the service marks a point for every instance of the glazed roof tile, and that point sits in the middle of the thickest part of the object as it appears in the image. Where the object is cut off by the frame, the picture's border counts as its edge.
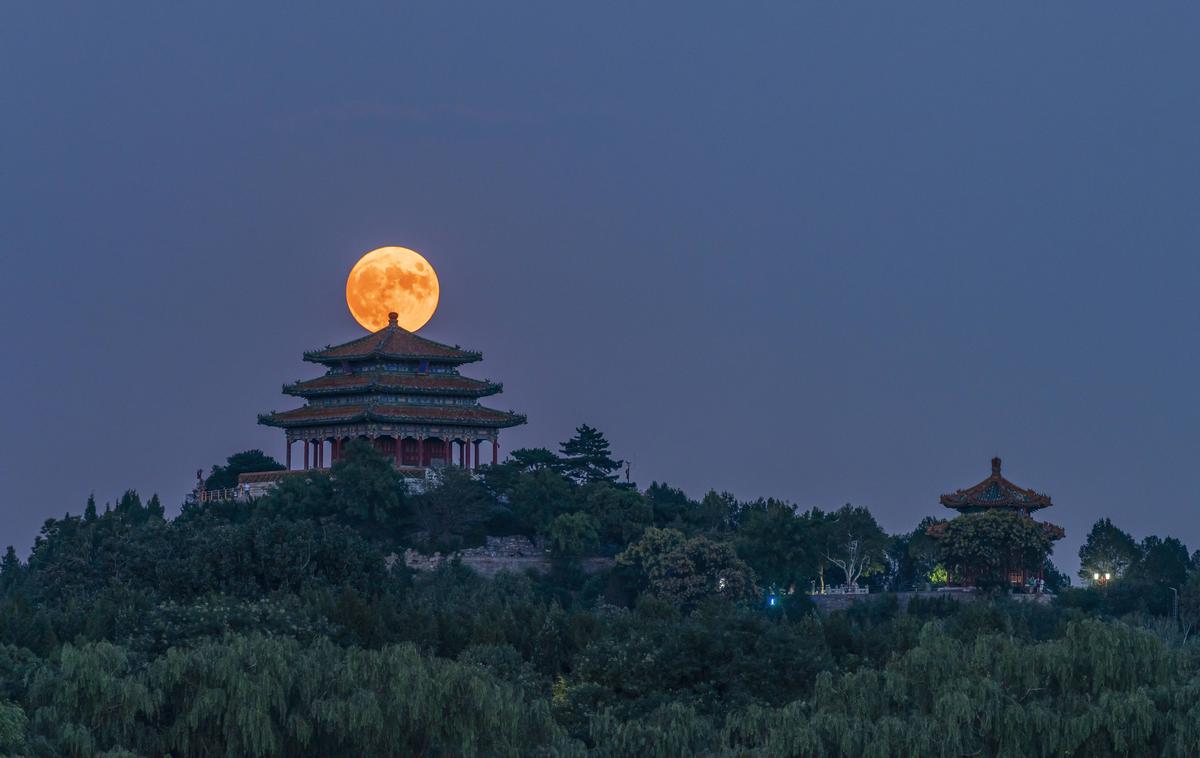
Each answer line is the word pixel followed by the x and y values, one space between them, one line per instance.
pixel 394 342
pixel 477 415
pixel 996 492
pixel 392 381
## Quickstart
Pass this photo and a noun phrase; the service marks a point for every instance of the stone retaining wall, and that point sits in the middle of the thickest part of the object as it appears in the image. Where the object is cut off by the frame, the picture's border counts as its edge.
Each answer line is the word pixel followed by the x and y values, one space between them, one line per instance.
pixel 516 554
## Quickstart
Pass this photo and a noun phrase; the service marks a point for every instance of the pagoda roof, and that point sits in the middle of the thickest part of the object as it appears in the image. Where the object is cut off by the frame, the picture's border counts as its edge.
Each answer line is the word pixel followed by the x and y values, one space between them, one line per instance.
pixel 392 342
pixel 392 381
pixel 467 415
pixel 996 492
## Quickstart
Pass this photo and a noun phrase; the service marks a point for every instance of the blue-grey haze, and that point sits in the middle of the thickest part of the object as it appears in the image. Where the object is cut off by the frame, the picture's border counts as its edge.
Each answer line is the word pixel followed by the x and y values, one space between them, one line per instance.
pixel 824 251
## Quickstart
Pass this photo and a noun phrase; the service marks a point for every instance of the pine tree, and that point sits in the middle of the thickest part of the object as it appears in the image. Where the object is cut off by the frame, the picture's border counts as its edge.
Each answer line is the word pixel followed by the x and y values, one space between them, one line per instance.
pixel 155 507
pixel 587 458
pixel 10 569
pixel 89 513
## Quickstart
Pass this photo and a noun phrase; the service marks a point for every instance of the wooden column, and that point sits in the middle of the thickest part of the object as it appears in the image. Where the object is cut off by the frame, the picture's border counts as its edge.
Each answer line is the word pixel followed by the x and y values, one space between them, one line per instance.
pixel 478 459
pixel 467 453
pixel 306 455
pixel 420 451
pixel 289 455
pixel 495 451
pixel 462 454
pixel 399 451
pixel 448 449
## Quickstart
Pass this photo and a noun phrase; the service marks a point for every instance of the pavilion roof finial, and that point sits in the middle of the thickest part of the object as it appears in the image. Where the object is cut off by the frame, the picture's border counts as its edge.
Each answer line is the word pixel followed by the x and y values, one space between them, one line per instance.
pixel 392 318
pixel 995 492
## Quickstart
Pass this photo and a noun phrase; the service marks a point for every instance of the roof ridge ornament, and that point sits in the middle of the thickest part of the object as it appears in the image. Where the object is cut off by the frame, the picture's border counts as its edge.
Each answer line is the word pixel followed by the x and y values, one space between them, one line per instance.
pixel 995 492
pixel 393 319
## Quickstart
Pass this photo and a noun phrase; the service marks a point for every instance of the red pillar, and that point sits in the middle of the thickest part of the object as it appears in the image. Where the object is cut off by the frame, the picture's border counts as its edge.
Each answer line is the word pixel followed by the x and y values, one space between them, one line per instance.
pixel 448 450
pixel 467 453
pixel 420 451
pixel 478 459
pixel 462 449
pixel 289 455
pixel 306 455
pixel 495 451
pixel 399 451
pixel 321 452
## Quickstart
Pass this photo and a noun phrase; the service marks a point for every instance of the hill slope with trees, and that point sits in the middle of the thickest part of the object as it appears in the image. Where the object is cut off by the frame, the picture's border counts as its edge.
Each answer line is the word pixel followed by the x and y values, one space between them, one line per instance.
pixel 287 627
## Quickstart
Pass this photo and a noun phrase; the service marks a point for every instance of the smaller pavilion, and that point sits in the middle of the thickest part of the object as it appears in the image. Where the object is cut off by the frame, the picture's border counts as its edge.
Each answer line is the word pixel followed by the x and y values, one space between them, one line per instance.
pixel 401 392
pixel 997 493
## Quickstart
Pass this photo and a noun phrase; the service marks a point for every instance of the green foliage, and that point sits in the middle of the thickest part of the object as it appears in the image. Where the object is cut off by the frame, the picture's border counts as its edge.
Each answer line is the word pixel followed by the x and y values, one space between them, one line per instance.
pixel 778 543
pixel 913 558
pixel 1107 550
pixel 988 544
pixel 367 489
pixel 13 725
pixel 259 696
pixel 574 534
pixel 453 513
pixel 538 497
pixel 621 513
pixel 245 462
pixel 668 504
pixel 687 571
pixel 288 626
pixel 853 542
pixel 586 457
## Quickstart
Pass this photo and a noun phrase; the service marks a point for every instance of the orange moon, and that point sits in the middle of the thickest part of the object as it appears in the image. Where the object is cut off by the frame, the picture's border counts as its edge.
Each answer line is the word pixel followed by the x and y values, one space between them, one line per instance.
pixel 392 280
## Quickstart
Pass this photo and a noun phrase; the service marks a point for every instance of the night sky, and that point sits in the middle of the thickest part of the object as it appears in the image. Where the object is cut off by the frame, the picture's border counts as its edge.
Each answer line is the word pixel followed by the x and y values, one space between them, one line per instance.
pixel 828 252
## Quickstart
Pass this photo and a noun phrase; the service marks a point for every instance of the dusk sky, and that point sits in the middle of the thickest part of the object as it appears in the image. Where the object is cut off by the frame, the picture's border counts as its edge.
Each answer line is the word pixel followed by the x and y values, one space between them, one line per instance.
pixel 827 252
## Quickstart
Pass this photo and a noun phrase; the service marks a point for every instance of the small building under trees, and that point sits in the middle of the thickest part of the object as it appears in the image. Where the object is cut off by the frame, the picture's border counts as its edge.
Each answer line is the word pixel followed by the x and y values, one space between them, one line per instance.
pixel 995 541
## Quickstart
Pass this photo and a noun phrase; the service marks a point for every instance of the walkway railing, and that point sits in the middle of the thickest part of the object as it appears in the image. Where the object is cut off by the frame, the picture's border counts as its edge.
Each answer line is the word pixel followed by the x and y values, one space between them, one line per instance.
pixel 217 496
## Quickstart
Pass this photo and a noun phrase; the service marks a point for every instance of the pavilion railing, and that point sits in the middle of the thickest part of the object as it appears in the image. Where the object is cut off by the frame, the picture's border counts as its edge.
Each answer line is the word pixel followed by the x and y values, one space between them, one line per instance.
pixel 217 496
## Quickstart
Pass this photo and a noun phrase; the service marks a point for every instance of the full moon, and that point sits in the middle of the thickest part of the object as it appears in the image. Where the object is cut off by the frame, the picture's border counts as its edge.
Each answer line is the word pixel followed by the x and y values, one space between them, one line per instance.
pixel 392 280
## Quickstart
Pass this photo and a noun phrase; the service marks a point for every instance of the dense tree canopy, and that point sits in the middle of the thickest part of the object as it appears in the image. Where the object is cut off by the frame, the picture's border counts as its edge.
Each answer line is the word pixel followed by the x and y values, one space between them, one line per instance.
pixel 288 626
pixel 989 545
pixel 245 462
pixel 1107 550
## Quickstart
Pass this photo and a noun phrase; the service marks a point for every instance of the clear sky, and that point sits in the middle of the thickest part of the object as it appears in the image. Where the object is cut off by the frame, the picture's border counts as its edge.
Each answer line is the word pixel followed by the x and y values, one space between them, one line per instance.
pixel 830 252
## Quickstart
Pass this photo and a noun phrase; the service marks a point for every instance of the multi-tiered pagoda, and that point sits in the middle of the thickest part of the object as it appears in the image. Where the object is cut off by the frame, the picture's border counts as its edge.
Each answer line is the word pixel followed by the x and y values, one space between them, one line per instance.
pixel 400 391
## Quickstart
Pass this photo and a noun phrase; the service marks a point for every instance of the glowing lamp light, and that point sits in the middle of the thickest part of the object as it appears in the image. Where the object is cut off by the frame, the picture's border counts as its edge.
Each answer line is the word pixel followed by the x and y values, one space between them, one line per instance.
pixel 1096 576
pixel 772 600
pixel 1107 576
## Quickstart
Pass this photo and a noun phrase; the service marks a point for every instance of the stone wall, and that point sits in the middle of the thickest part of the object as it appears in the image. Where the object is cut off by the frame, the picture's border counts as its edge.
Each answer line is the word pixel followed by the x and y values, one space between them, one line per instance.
pixel 515 554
